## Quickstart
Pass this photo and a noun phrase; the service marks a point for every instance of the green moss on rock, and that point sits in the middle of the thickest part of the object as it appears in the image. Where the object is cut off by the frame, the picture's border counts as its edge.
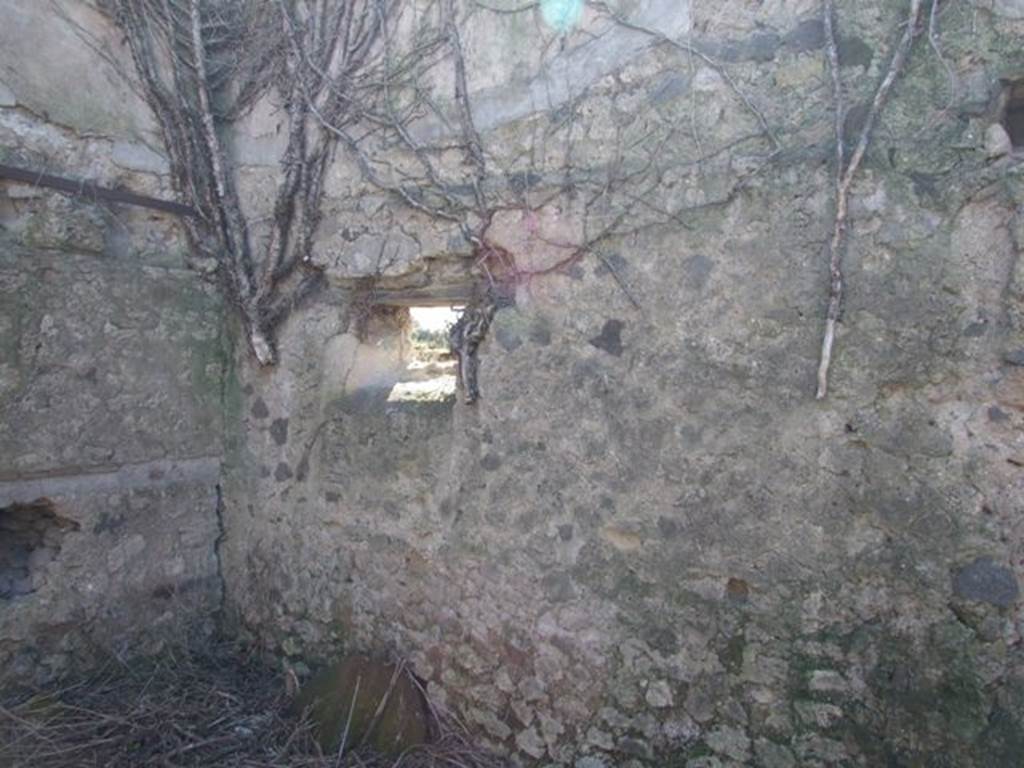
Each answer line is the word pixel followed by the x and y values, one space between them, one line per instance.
pixel 360 686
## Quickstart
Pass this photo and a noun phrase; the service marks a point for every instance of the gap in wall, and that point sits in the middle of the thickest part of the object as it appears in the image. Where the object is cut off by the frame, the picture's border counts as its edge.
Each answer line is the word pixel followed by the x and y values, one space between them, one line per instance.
pixel 1013 115
pixel 430 369
pixel 31 536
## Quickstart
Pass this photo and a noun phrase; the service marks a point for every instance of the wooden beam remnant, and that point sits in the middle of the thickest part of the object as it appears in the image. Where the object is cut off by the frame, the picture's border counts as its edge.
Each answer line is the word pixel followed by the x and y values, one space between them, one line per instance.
pixel 94 191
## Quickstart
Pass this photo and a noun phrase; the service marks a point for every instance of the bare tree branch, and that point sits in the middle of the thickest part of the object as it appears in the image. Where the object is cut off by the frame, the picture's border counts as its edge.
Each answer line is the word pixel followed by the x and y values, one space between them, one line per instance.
pixel 846 170
pixel 367 75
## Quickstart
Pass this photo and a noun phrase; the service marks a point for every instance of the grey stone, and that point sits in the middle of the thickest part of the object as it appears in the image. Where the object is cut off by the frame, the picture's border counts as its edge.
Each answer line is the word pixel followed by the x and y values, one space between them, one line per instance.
pixel 978 88
pixel 40 558
pixel 1011 9
pixel 1015 357
pixel 530 742
pixel 671 87
pixel 772 755
pixel 759 47
pixel 976 329
pixel 551 728
pixel 985 581
pixel 817 713
pixel 490 723
pixel 388 254
pixel 699 268
pixel 997 142
pixel 708 761
pixel 507 338
pixel 659 695
pixel 634 747
pixel 67 224
pixel 680 731
pixel 559 587
pixel 540 334
pixel 827 680
pixel 601 739
pixel 138 157
pixel 7 98
pixel 729 741
pixel 19 585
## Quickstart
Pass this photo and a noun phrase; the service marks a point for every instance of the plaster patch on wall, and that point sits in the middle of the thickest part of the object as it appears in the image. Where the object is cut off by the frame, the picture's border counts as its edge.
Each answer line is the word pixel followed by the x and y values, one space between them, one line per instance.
pixel 570 72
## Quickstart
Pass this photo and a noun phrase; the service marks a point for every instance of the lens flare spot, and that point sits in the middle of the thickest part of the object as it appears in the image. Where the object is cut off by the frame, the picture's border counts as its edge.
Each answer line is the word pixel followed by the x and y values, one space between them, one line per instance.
pixel 562 15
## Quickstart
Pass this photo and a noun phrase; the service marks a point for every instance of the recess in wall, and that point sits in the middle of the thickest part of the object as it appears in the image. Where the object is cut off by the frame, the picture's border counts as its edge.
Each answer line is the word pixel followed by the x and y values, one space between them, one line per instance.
pixel 430 370
pixel 1013 113
pixel 31 536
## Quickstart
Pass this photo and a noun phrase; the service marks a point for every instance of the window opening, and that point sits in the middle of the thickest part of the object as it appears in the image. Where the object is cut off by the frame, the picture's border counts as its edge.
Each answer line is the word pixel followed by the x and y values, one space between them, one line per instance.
pixel 429 374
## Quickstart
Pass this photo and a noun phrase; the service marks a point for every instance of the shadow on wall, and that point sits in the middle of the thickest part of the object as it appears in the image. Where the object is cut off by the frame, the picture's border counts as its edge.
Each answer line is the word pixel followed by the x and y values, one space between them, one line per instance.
pixel 30 538
pixel 1013 113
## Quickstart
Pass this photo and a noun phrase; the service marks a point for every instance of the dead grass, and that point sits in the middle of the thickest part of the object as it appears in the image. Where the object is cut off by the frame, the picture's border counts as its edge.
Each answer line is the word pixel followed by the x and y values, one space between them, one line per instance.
pixel 198 706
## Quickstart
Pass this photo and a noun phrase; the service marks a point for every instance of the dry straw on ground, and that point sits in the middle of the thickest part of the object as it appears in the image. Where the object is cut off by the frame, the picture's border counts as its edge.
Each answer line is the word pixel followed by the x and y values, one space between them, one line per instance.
pixel 205 706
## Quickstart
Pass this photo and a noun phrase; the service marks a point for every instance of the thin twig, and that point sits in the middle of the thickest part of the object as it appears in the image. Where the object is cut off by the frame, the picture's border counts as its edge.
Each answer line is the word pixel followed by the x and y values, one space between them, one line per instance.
pixel 348 720
pixel 846 173
pixel 399 670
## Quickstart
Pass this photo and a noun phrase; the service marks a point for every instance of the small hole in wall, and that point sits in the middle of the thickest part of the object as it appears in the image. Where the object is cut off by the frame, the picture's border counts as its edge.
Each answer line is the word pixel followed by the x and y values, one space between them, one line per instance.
pixel 31 535
pixel 1013 114
pixel 430 368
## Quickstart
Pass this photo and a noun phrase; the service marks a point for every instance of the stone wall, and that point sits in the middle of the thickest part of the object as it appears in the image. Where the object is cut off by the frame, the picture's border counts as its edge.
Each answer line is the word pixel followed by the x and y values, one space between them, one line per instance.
pixel 112 367
pixel 648 544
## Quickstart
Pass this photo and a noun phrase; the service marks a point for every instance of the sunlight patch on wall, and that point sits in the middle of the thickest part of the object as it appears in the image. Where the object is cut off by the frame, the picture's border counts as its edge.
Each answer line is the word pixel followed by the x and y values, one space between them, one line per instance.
pixel 561 15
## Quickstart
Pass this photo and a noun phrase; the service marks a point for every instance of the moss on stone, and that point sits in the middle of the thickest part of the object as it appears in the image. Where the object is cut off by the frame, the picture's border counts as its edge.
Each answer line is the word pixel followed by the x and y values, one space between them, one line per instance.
pixel 732 655
pixel 342 702
pixel 925 702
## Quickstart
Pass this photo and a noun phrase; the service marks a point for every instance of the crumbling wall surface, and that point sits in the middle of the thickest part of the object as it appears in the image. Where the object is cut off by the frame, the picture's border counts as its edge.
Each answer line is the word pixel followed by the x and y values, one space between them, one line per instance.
pixel 647 543
pixel 112 364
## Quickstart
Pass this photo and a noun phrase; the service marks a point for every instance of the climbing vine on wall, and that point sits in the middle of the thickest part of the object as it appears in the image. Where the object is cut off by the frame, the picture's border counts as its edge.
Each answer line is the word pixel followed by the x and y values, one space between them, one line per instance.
pixel 202 65
pixel 387 83
pixel 364 77
pixel 848 160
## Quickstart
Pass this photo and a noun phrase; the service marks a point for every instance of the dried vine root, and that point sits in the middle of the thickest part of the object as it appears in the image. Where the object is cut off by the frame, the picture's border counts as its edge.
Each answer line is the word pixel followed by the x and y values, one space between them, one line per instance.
pixel 204 64
pixel 847 170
